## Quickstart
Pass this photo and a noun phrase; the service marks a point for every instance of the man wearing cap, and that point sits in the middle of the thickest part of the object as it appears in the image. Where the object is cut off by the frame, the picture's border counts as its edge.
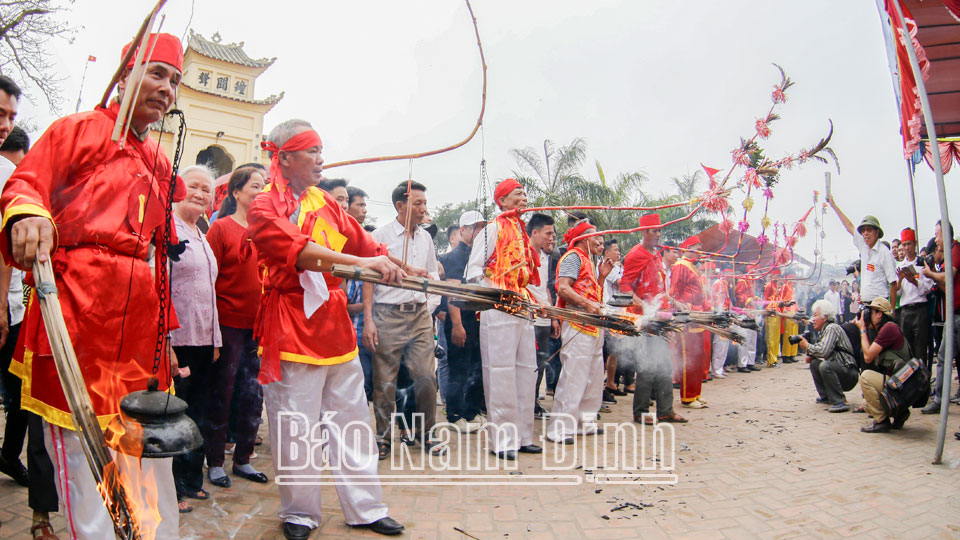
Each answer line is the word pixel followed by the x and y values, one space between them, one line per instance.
pixel 463 394
pixel 503 258
pixel 94 208
pixel 913 287
pixel 580 388
pixel 888 352
pixel 309 366
pixel 878 276
pixel 771 323
pixel 644 275
pixel 686 288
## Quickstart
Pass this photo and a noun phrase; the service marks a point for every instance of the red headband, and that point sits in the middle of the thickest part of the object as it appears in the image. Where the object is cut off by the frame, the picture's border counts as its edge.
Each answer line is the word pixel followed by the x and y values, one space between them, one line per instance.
pixel 576 231
pixel 504 188
pixel 300 141
pixel 167 50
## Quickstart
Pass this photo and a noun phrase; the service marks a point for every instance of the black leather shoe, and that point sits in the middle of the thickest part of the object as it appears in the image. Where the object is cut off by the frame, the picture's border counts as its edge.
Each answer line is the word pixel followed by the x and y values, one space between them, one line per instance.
pixel 294 531
pixel 223 481
pixel 753 367
pixel 877 427
pixel 259 477
pixel 387 525
pixel 14 469
pixel 743 370
pixel 509 455
pixel 900 419
pixel 531 449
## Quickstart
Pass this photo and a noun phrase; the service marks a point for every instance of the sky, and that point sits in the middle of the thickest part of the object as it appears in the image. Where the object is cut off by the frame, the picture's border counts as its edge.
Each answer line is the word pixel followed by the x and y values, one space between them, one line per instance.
pixel 654 87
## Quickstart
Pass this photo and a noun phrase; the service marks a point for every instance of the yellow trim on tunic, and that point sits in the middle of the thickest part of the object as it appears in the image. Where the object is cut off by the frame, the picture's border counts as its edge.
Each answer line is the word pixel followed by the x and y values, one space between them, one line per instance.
pixel 310 360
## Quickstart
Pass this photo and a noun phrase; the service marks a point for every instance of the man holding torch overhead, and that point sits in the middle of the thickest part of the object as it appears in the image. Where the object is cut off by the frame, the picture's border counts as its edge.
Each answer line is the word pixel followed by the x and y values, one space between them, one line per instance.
pixel 94 208
pixel 502 257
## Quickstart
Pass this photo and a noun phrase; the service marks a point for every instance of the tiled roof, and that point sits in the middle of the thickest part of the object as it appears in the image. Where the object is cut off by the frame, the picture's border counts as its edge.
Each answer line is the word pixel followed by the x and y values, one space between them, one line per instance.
pixel 232 53
pixel 272 99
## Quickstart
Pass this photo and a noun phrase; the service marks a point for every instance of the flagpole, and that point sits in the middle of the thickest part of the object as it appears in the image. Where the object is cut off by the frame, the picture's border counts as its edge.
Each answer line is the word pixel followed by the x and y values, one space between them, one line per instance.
pixel 947 235
pixel 82 79
pixel 913 198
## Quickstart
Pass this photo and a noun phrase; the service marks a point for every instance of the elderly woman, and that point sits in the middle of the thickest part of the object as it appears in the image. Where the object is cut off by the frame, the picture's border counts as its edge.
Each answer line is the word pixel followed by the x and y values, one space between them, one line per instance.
pixel 234 380
pixel 832 364
pixel 197 342
pixel 888 352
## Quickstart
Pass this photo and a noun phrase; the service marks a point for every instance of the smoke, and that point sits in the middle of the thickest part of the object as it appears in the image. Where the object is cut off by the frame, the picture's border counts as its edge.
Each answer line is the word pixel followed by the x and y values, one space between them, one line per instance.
pixel 647 354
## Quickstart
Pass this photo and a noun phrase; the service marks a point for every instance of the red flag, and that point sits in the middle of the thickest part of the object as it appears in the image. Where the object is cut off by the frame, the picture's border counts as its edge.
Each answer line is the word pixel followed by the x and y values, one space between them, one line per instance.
pixel 911 113
pixel 91 58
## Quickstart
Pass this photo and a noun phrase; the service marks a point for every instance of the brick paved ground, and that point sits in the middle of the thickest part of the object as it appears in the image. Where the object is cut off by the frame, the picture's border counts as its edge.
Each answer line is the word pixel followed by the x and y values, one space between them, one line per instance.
pixel 763 461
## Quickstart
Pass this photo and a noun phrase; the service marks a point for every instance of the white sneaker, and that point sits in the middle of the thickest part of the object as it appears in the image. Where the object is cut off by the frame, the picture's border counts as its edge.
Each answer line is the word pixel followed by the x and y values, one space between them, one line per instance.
pixel 464 427
pixel 478 420
pixel 719 376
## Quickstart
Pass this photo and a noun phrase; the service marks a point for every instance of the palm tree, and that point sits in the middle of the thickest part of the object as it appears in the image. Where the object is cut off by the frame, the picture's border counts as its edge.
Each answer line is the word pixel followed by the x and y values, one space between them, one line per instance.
pixel 553 174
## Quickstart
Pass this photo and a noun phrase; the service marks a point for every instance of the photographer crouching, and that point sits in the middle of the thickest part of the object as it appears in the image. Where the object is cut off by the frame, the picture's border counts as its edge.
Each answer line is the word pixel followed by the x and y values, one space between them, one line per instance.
pixel 888 352
pixel 832 364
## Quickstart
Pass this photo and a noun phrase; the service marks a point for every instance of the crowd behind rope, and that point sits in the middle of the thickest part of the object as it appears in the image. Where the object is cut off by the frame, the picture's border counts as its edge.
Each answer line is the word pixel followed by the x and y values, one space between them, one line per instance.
pixel 254 254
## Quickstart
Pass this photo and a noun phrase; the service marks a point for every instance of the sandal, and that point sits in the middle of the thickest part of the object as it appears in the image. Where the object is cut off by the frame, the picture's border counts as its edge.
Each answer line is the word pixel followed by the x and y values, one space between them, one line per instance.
pixel 383 450
pixel 258 441
pixel 45 531
pixel 434 448
pixel 199 495
pixel 184 507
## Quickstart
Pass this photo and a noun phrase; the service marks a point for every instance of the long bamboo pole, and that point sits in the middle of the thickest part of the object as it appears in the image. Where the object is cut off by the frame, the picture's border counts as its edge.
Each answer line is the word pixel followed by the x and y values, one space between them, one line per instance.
pixel 948 327
pixel 91 437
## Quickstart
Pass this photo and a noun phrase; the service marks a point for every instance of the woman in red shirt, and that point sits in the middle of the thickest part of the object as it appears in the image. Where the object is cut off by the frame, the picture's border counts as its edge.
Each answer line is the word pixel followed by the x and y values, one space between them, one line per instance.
pixel 238 296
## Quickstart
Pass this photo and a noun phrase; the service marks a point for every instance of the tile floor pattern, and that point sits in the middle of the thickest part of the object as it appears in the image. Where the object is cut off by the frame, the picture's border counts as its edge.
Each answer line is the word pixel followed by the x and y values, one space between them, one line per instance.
pixel 763 461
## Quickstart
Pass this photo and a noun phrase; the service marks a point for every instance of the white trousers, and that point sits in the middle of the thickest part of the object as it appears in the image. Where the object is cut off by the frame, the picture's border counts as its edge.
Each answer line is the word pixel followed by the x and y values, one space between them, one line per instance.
pixel 718 355
pixel 580 389
pixel 508 354
pixel 323 409
pixel 748 349
pixel 81 504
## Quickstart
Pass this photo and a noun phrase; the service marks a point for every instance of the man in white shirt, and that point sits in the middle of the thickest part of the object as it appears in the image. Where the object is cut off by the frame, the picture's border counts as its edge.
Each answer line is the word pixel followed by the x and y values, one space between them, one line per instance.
pixel 878 276
pixel 398 322
pixel 502 257
pixel 543 239
pixel 913 286
pixel 833 295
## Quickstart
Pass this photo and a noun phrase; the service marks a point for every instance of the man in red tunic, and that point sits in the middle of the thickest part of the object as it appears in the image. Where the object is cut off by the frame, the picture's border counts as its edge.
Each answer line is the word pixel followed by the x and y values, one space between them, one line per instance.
pixel 502 257
pixel 94 208
pixel 580 388
pixel 644 275
pixel 686 287
pixel 309 368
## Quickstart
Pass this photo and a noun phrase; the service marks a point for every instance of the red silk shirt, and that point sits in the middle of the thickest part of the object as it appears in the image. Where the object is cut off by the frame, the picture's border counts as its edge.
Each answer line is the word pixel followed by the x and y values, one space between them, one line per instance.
pixel 282 328
pixel 643 275
pixel 743 293
pixel 786 294
pixel 721 295
pixel 771 293
pixel 686 285
pixel 106 204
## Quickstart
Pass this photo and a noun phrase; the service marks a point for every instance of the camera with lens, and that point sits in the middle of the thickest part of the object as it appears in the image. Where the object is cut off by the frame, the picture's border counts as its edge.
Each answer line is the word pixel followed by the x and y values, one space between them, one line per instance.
pixel 853 268
pixel 796 338
pixel 927 261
